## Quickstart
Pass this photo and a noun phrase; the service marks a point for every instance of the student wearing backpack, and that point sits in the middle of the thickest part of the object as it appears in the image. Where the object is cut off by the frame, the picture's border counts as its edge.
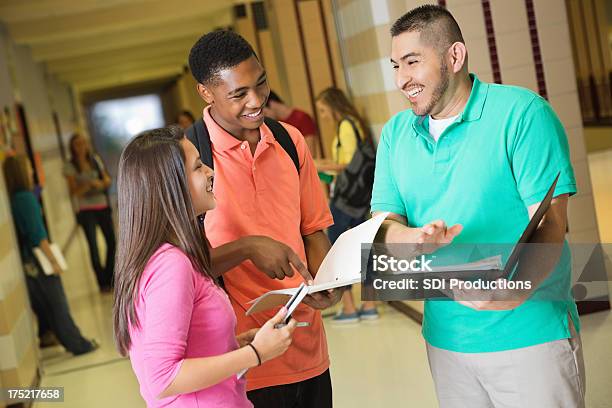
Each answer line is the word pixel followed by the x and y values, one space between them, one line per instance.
pixel 353 158
pixel 269 201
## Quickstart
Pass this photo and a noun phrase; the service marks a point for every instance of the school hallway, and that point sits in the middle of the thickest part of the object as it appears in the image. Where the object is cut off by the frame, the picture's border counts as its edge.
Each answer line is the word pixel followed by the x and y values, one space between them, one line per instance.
pixel 103 72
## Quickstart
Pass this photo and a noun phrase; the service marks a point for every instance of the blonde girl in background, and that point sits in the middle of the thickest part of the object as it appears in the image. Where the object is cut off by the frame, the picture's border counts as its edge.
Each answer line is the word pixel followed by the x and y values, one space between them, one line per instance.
pixel 351 131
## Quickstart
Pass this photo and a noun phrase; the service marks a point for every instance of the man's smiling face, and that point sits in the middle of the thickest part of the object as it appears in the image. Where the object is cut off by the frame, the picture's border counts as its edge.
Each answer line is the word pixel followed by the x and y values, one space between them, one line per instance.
pixel 421 74
pixel 239 94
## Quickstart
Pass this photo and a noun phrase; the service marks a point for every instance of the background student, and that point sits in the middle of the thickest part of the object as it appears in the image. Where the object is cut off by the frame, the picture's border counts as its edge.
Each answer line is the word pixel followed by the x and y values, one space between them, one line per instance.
pixel 46 292
pixel 184 119
pixel 88 182
pixel 333 104
pixel 170 314
pixel 302 121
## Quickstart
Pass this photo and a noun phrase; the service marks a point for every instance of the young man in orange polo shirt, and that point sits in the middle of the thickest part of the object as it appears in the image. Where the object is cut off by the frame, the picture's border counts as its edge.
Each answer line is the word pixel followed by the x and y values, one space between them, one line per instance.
pixel 261 193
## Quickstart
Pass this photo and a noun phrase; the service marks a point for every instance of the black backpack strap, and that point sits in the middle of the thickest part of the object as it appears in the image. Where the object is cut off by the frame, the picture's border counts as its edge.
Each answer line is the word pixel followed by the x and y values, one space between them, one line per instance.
pixel 99 166
pixel 282 137
pixel 355 130
pixel 199 136
pixel 100 169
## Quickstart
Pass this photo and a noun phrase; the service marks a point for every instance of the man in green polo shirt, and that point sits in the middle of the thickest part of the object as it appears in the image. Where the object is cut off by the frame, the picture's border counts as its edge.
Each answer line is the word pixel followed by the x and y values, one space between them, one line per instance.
pixel 469 163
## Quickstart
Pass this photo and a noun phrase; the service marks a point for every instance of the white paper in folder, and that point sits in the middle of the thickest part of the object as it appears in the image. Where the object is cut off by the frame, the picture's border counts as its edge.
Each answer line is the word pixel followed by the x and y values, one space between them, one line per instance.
pixel 341 266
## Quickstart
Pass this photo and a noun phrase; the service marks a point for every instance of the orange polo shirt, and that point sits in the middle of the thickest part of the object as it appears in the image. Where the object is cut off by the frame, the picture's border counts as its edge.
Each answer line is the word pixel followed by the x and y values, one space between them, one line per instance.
pixel 262 194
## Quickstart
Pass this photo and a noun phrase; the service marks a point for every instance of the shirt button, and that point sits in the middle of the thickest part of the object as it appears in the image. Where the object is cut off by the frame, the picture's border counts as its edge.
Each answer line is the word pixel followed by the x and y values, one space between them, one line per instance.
pixel 243 146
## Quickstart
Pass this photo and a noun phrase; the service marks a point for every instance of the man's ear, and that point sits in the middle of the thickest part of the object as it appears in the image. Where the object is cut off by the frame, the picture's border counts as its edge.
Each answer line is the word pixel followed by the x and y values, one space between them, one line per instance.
pixel 205 93
pixel 458 56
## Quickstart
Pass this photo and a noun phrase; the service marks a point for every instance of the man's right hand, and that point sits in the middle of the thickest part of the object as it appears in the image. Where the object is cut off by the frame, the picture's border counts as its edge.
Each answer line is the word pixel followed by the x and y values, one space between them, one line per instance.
pixel 275 259
pixel 415 240
pixel 436 234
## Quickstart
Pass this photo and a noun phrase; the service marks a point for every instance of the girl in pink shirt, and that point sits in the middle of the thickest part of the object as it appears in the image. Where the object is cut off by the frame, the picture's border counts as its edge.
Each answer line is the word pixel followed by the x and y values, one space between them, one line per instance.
pixel 170 315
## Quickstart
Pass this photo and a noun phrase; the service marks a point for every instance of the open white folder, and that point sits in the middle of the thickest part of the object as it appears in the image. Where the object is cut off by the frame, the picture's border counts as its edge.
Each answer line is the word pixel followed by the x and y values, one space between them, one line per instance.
pixel 341 266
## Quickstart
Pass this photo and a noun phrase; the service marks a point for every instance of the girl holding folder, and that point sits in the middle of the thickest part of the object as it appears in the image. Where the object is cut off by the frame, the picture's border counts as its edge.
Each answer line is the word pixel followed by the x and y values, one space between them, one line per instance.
pixel 170 314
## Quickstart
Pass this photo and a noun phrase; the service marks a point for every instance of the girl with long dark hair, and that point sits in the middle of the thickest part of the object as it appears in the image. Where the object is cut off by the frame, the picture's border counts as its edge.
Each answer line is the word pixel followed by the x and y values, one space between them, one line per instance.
pixel 88 182
pixel 170 315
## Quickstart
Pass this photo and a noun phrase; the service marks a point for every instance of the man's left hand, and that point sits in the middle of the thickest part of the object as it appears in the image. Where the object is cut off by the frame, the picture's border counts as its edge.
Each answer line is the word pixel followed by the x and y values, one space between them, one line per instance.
pixel 323 300
pixel 496 299
pixel 498 305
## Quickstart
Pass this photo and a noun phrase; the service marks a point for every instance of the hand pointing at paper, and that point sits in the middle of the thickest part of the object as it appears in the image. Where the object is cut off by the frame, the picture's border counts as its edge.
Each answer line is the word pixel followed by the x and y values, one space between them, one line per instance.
pixel 276 259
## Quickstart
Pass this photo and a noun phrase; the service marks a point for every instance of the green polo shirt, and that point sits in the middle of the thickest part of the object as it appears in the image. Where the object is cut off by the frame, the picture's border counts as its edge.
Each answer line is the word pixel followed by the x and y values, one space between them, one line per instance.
pixel 499 157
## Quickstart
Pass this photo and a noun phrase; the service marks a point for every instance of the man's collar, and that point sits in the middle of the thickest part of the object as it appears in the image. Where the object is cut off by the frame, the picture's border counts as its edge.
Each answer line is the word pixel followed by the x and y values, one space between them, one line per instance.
pixel 472 110
pixel 475 104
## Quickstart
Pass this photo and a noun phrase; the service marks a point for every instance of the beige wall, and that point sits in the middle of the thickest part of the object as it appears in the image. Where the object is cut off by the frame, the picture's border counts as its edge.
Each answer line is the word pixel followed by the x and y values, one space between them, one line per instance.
pixel 188 95
pixel 180 96
pixel 589 29
pixel 26 82
pixel 365 31
pixel 16 327
pixel 319 60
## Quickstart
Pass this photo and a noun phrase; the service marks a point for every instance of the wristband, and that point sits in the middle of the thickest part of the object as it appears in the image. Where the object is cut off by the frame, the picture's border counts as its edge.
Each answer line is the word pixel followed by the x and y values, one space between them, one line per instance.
pixel 256 353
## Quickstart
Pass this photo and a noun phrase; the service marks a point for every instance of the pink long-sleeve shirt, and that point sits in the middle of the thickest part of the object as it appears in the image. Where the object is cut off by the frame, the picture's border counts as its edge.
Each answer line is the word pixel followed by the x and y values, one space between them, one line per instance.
pixel 182 315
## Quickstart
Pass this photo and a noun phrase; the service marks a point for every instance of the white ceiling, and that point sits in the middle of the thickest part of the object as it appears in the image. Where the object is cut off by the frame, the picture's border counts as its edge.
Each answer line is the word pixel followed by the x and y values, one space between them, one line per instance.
pixel 96 44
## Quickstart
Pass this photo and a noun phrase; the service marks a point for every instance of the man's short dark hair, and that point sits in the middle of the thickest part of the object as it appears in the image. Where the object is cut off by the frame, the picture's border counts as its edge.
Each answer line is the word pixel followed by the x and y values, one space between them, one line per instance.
pixel 436 24
pixel 216 51
pixel 273 97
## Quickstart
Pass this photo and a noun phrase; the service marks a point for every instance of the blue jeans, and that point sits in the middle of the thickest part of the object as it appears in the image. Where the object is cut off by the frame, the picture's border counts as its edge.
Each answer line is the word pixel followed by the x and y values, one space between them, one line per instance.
pixel 51 308
pixel 342 222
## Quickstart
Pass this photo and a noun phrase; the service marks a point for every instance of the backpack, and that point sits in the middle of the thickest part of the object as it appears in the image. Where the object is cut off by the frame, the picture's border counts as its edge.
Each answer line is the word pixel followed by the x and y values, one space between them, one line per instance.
pixel 199 136
pixel 353 190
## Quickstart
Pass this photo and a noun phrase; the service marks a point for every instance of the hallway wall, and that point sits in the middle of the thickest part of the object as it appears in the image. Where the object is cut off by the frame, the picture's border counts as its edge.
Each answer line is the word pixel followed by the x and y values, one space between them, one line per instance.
pixel 24 81
pixel 308 52
pixel 18 362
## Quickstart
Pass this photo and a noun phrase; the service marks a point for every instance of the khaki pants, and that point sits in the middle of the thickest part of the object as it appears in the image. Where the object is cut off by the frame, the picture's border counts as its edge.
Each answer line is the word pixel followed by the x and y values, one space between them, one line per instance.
pixel 549 375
